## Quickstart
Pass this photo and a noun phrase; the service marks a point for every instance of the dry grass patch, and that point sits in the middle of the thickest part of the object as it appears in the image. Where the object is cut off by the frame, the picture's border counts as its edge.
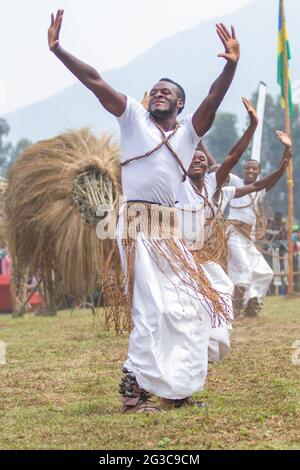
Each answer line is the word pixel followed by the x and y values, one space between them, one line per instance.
pixel 59 388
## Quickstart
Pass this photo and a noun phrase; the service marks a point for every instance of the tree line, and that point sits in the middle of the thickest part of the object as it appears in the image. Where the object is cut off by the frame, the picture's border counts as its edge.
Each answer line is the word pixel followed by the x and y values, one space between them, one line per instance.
pixel 221 138
pixel 8 151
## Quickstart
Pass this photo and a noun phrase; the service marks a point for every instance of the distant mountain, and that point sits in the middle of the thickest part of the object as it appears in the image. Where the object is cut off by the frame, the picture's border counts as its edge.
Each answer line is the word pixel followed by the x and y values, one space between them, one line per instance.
pixel 188 57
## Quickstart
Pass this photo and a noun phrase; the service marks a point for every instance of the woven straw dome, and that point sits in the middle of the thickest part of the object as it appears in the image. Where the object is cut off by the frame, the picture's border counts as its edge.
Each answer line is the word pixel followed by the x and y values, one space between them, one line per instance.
pixel 48 225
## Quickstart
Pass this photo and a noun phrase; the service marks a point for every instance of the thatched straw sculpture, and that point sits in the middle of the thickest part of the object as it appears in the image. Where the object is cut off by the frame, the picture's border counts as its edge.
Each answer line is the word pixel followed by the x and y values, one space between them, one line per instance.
pixel 3 185
pixel 55 190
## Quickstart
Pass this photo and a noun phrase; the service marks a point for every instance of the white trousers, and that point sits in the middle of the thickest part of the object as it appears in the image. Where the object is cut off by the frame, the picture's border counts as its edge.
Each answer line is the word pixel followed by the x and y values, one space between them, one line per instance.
pixel 219 339
pixel 247 267
pixel 168 346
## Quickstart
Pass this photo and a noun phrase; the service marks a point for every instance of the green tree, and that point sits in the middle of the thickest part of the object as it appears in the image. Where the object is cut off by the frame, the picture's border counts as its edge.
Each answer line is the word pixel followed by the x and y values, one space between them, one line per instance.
pixel 19 148
pixel 9 152
pixel 222 136
pixel 5 147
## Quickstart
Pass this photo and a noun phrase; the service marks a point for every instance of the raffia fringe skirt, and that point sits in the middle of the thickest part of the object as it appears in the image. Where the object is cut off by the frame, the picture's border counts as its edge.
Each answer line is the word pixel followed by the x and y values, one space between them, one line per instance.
pixel 158 228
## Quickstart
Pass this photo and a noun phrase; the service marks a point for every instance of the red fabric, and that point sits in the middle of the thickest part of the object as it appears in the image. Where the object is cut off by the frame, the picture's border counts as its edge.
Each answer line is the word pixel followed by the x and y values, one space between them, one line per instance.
pixel 6 297
pixel 35 300
pixel 6 266
pixel 5 294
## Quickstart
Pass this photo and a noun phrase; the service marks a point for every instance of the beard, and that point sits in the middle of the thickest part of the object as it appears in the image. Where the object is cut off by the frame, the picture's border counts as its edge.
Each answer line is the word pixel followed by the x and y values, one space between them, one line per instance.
pixel 161 114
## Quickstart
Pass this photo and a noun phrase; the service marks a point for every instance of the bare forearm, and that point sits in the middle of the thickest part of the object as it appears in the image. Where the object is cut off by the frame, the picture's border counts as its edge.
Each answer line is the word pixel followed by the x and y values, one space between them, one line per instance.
pixel 261 184
pixel 210 159
pixel 221 85
pixel 85 73
pixel 287 153
pixel 269 181
pixel 241 146
pixel 235 153
pixel 283 164
pixel 111 100
pixel 205 114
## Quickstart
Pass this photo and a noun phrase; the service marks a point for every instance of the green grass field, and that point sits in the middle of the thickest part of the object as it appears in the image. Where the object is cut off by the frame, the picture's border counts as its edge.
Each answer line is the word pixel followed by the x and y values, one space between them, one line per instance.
pixel 59 388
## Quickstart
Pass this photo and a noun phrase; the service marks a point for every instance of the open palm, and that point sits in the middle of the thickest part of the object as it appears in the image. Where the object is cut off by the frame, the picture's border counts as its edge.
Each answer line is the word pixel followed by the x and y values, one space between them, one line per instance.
pixel 284 138
pixel 250 109
pixel 54 30
pixel 230 42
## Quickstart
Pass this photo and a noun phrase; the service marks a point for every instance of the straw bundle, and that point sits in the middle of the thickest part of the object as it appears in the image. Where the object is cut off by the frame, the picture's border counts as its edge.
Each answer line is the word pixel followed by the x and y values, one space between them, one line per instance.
pixel 55 190
pixel 3 185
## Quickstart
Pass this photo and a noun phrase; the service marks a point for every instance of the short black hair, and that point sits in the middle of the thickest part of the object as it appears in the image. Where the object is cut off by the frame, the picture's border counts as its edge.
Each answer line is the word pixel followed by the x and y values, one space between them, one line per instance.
pixel 253 160
pixel 181 92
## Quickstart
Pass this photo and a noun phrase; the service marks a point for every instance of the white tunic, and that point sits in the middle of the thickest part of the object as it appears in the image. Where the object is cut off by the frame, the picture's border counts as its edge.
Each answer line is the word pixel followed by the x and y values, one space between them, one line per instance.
pixel 219 343
pixel 169 342
pixel 246 265
pixel 191 215
pixel 245 208
pixel 226 196
pixel 155 178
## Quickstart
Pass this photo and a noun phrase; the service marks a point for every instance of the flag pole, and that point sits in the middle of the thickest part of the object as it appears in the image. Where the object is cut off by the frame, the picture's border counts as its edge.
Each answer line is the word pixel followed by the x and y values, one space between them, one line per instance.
pixel 260 110
pixel 290 182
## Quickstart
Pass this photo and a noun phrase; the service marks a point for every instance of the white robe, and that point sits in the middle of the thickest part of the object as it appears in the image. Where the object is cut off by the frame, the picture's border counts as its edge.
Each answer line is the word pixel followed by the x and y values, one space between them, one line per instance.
pixel 247 267
pixel 168 346
pixel 169 341
pixel 219 338
pixel 219 341
pixel 188 199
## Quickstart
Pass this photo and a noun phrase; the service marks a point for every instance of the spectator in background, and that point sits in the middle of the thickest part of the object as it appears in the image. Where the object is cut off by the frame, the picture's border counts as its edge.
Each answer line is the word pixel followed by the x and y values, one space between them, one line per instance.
pixel 296 241
pixel 276 229
pixel 296 253
pixel 6 264
pixel 2 256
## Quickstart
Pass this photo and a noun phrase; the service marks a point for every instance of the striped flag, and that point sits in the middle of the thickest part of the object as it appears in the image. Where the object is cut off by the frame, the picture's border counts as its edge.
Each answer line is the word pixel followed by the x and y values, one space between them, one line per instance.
pixel 282 32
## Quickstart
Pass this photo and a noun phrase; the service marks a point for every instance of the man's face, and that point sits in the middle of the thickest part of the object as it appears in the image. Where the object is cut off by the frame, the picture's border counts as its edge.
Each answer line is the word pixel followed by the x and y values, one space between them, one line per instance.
pixel 251 172
pixel 164 100
pixel 199 165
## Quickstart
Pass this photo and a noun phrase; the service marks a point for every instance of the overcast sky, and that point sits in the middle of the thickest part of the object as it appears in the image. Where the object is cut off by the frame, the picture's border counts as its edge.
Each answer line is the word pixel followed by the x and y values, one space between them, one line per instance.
pixel 104 33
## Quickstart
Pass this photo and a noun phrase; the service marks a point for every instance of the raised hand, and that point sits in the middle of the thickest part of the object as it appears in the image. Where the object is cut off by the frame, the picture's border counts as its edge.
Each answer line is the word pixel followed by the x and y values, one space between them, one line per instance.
pixel 54 30
pixel 284 138
pixel 250 110
pixel 230 42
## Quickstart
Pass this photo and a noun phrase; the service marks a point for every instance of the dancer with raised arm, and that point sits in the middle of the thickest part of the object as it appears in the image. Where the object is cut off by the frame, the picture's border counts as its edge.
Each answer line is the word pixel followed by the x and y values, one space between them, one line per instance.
pixel 201 208
pixel 170 296
pixel 207 195
pixel 247 267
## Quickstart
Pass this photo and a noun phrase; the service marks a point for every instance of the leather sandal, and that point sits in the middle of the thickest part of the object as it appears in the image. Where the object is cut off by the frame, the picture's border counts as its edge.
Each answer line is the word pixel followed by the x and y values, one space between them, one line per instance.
pixel 188 401
pixel 141 407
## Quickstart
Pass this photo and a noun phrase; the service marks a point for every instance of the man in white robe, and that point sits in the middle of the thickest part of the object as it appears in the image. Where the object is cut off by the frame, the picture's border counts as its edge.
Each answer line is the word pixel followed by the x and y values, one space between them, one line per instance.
pixel 171 297
pixel 247 267
pixel 198 193
pixel 199 198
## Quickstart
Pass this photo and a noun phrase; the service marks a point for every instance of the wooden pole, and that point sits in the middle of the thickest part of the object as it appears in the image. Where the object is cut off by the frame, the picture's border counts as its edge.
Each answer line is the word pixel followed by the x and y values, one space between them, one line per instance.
pixel 290 182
